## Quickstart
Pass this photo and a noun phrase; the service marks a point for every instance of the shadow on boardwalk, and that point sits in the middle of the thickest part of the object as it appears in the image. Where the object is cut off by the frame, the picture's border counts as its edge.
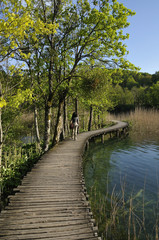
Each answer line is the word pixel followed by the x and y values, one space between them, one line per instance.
pixel 51 203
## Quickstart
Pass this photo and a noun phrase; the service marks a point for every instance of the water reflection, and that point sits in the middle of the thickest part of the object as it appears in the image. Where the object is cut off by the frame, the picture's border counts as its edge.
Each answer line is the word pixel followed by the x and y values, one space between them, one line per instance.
pixel 137 162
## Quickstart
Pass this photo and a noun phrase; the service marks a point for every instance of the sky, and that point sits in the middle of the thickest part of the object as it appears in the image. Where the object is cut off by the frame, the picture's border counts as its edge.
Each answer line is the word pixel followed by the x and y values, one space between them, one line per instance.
pixel 143 43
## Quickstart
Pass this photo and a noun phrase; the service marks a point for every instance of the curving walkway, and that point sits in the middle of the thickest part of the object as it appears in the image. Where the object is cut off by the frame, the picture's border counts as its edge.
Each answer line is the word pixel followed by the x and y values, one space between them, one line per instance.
pixel 51 203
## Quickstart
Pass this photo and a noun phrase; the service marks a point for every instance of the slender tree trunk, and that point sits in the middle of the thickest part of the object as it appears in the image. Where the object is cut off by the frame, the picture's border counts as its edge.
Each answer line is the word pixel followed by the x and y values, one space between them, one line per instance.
pixel 90 118
pixel 83 120
pixel 65 120
pixel 94 120
pixel 58 134
pixel 48 102
pixel 1 139
pixel 35 108
pixel 99 121
pixel 47 126
pixel 76 105
pixel 36 126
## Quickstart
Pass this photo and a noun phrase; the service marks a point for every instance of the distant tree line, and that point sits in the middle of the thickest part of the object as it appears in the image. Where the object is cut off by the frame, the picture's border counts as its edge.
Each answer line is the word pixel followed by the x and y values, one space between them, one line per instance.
pixel 136 90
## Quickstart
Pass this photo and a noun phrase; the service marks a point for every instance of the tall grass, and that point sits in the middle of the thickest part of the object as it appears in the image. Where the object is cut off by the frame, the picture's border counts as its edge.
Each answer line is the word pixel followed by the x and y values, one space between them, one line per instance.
pixel 145 122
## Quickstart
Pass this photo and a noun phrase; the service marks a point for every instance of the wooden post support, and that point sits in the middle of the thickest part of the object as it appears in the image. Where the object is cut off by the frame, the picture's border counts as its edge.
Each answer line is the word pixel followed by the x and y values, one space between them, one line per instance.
pixel 125 131
pixel 117 133
pixel 102 138
pixel 87 145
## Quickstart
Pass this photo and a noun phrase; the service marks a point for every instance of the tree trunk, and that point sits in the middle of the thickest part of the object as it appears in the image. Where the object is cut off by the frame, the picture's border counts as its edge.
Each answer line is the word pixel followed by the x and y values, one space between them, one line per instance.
pixel 59 128
pixel 83 120
pixel 36 126
pixel 76 105
pixel 90 118
pixel 65 120
pixel 99 126
pixel 48 102
pixel 47 126
pixel 94 120
pixel 1 139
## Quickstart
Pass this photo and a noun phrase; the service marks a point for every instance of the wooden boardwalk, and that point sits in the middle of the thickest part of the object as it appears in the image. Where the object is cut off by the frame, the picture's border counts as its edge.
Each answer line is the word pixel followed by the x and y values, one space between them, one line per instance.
pixel 51 203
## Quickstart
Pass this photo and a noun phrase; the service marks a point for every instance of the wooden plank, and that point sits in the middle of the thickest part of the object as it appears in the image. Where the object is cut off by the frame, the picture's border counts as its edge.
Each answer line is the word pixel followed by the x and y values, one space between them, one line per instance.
pixel 68 236
pixel 8 216
pixel 43 219
pixel 45 211
pixel 78 223
pixel 50 208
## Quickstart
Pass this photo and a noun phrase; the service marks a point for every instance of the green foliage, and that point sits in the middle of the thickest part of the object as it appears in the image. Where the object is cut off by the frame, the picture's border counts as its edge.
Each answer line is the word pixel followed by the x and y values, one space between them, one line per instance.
pixel 135 90
pixel 153 95
pixel 94 87
pixel 2 102
pixel 17 169
pixel 131 83
pixel 155 77
pixel 18 24
pixel 75 27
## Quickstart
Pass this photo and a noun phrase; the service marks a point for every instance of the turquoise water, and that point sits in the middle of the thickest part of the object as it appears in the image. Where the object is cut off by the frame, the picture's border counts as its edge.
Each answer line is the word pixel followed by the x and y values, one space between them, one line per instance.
pixel 130 164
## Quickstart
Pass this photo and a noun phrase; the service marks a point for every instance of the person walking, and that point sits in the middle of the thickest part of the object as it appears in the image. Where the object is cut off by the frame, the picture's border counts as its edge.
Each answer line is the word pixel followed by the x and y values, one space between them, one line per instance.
pixel 75 125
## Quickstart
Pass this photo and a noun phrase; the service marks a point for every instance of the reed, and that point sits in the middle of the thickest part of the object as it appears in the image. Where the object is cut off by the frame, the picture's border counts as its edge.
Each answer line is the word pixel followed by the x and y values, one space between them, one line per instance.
pixel 142 120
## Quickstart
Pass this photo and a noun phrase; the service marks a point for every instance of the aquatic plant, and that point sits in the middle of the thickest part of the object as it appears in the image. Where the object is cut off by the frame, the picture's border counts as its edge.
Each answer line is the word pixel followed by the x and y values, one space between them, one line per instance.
pixel 121 218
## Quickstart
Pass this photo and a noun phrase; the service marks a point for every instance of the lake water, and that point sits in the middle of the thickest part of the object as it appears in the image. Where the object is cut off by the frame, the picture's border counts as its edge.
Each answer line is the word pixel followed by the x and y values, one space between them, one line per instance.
pixel 132 164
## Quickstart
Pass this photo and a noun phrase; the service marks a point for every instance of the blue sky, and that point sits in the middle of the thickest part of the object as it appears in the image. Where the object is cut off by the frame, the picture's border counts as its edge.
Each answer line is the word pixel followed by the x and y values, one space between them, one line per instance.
pixel 143 44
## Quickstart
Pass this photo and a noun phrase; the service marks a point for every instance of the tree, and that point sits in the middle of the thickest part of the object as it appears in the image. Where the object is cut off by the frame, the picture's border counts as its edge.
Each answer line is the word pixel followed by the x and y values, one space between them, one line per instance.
pixel 93 89
pixel 61 34
pixel 155 77
pixel 131 82
pixel 86 33
pixel 21 29
pixel 13 25
pixel 12 97
pixel 153 95
pixel 145 79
